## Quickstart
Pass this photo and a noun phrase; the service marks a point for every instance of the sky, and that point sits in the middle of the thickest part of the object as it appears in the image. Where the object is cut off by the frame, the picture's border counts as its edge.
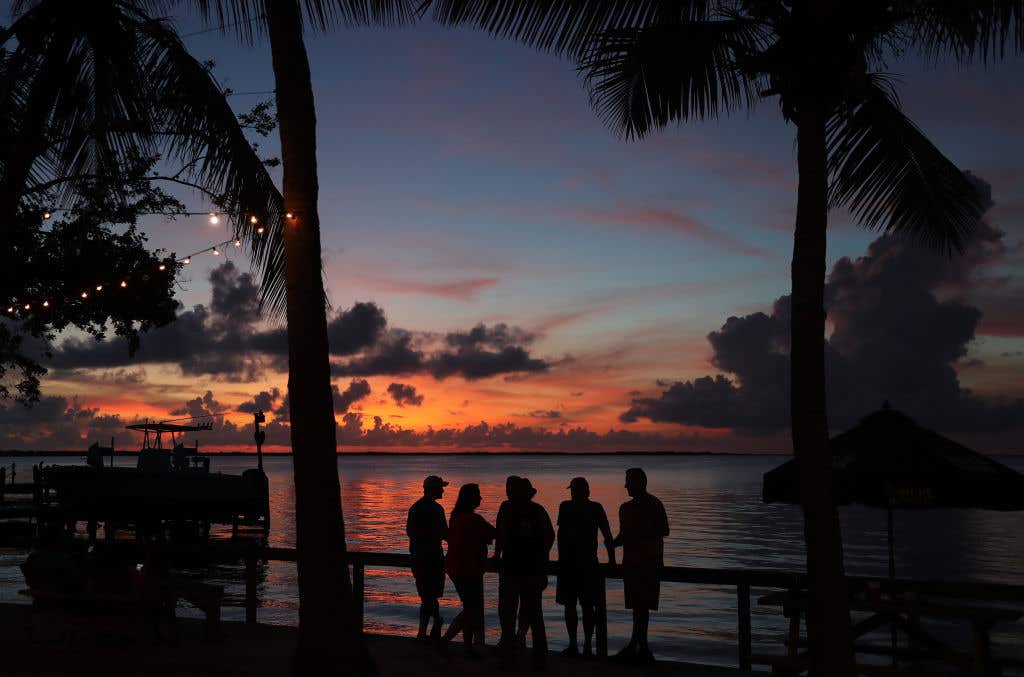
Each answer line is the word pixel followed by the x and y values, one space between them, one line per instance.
pixel 504 272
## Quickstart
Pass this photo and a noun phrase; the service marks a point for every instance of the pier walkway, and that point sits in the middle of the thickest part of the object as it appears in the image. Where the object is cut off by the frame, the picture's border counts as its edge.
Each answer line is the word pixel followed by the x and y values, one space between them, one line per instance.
pixel 256 650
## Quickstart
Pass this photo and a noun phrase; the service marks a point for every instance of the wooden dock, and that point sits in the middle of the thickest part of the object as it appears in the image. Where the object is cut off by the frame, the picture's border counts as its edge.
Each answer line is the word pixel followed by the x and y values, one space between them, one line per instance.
pixel 256 650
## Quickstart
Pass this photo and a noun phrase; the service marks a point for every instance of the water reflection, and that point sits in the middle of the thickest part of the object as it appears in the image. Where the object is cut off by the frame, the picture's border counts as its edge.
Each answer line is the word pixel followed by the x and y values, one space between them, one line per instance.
pixel 716 516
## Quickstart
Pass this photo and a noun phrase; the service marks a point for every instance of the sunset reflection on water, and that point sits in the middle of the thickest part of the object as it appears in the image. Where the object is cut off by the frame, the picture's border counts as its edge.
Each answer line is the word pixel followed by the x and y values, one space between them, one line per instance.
pixel 716 518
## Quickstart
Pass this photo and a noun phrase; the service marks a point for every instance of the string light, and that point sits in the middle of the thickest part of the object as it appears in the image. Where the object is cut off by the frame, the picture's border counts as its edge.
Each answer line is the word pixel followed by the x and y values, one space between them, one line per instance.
pixel 214 218
pixel 289 215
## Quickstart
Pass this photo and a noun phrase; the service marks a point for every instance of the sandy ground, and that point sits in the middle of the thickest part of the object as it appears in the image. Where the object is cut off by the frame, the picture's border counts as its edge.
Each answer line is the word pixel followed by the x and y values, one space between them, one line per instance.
pixel 48 644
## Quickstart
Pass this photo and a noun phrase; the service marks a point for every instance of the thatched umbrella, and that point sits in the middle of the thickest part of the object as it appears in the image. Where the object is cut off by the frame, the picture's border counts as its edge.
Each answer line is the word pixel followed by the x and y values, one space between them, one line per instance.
pixel 888 461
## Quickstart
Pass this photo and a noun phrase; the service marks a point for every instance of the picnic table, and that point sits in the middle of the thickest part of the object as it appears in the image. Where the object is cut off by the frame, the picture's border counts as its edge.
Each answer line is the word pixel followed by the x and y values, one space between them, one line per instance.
pixel 904 613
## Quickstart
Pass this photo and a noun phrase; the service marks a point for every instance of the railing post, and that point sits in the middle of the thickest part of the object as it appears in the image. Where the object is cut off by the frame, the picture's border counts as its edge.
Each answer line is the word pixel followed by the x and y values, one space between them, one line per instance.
pixel 601 631
pixel 358 583
pixel 743 611
pixel 251 600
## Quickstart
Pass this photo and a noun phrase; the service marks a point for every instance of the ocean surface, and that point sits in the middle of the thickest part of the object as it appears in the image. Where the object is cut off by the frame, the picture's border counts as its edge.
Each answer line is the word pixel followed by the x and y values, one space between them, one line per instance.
pixel 716 516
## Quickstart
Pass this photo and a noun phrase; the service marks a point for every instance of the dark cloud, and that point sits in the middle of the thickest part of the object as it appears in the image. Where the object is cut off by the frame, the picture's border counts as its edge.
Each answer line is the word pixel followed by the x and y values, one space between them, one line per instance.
pixel 357 390
pixel 545 413
pixel 201 407
pixel 226 341
pixel 499 337
pixel 477 354
pixel 900 324
pixel 263 401
pixel 55 423
pixel 404 394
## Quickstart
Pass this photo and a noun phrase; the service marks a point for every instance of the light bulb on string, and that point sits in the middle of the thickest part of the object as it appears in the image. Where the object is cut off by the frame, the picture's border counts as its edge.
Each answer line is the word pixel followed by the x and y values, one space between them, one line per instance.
pixel 187 260
pixel 99 287
pixel 253 220
pixel 47 214
pixel 163 266
pixel 28 306
pixel 259 231
pixel 124 283
pixel 238 243
pixel 10 309
pixel 46 304
pixel 289 215
pixel 85 295
pixel 214 219
pixel 216 252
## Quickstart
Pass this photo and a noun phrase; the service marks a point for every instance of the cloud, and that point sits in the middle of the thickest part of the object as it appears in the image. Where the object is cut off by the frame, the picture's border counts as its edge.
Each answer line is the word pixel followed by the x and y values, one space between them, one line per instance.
pixel 901 323
pixel 404 394
pixel 545 413
pixel 200 407
pixel 262 401
pixel 482 352
pixel 357 390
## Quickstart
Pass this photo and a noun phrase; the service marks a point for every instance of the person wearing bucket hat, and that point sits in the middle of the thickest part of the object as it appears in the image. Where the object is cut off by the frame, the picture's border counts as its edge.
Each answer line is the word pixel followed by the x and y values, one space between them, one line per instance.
pixel 525 538
pixel 426 528
pixel 579 579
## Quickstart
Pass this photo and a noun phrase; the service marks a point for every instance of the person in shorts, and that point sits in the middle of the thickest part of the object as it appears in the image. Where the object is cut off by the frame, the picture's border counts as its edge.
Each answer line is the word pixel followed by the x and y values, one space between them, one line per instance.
pixel 579 580
pixel 643 526
pixel 426 528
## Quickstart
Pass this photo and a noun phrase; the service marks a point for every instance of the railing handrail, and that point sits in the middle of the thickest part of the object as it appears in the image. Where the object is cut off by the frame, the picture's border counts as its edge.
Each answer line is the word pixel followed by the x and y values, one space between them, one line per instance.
pixel 730 576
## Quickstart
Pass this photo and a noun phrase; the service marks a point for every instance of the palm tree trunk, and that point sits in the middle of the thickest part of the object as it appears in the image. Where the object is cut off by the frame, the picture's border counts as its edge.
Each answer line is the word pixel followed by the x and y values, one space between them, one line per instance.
pixel 828 622
pixel 328 637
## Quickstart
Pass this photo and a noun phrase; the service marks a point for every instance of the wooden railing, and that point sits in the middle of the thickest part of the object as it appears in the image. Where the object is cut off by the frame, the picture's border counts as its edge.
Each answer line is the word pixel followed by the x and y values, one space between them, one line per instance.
pixel 743 580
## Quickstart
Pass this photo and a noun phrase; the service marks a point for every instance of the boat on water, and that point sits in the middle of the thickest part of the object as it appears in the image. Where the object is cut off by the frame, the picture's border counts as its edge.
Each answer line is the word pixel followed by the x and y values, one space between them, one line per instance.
pixel 170 488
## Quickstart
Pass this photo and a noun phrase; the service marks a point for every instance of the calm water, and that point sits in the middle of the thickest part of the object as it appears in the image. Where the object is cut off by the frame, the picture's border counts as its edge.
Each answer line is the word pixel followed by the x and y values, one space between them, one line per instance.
pixel 716 517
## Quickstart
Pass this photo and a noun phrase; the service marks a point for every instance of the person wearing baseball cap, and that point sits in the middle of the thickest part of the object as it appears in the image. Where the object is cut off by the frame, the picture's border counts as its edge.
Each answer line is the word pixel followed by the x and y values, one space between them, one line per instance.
pixel 426 528
pixel 579 579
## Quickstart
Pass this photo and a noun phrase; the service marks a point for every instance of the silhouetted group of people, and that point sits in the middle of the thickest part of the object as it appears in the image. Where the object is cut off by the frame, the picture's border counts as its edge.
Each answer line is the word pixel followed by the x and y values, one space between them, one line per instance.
pixel 523 537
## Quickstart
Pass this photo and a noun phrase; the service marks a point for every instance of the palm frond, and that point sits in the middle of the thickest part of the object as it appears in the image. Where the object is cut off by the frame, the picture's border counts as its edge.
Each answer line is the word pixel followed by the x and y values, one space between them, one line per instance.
pixel 205 135
pixel 969 30
pixel 247 20
pixel 643 79
pixel 892 178
pixel 563 26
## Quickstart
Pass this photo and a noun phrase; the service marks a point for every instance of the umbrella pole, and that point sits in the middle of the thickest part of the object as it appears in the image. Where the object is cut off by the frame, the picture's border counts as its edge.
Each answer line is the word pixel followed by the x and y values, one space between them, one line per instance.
pixel 892 583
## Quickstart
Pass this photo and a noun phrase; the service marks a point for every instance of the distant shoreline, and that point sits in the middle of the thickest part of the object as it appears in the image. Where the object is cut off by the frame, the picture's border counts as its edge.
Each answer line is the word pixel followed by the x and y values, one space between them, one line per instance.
pixel 432 453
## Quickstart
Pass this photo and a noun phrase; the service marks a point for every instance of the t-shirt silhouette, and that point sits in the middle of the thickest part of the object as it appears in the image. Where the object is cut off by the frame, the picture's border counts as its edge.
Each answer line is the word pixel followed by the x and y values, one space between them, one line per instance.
pixel 426 528
pixel 468 536
pixel 644 526
pixel 578 525
pixel 526 538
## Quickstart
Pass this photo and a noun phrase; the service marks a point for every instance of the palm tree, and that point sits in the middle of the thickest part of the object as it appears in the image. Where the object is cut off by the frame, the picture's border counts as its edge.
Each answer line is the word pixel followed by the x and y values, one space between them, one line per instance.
pixel 648 63
pixel 327 631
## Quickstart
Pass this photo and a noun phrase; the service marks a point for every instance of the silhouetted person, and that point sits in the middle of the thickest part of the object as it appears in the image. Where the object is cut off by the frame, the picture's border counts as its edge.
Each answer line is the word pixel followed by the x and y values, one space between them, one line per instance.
pixel 468 536
pixel 426 527
pixel 515 612
pixel 579 580
pixel 93 457
pixel 525 538
pixel 643 526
